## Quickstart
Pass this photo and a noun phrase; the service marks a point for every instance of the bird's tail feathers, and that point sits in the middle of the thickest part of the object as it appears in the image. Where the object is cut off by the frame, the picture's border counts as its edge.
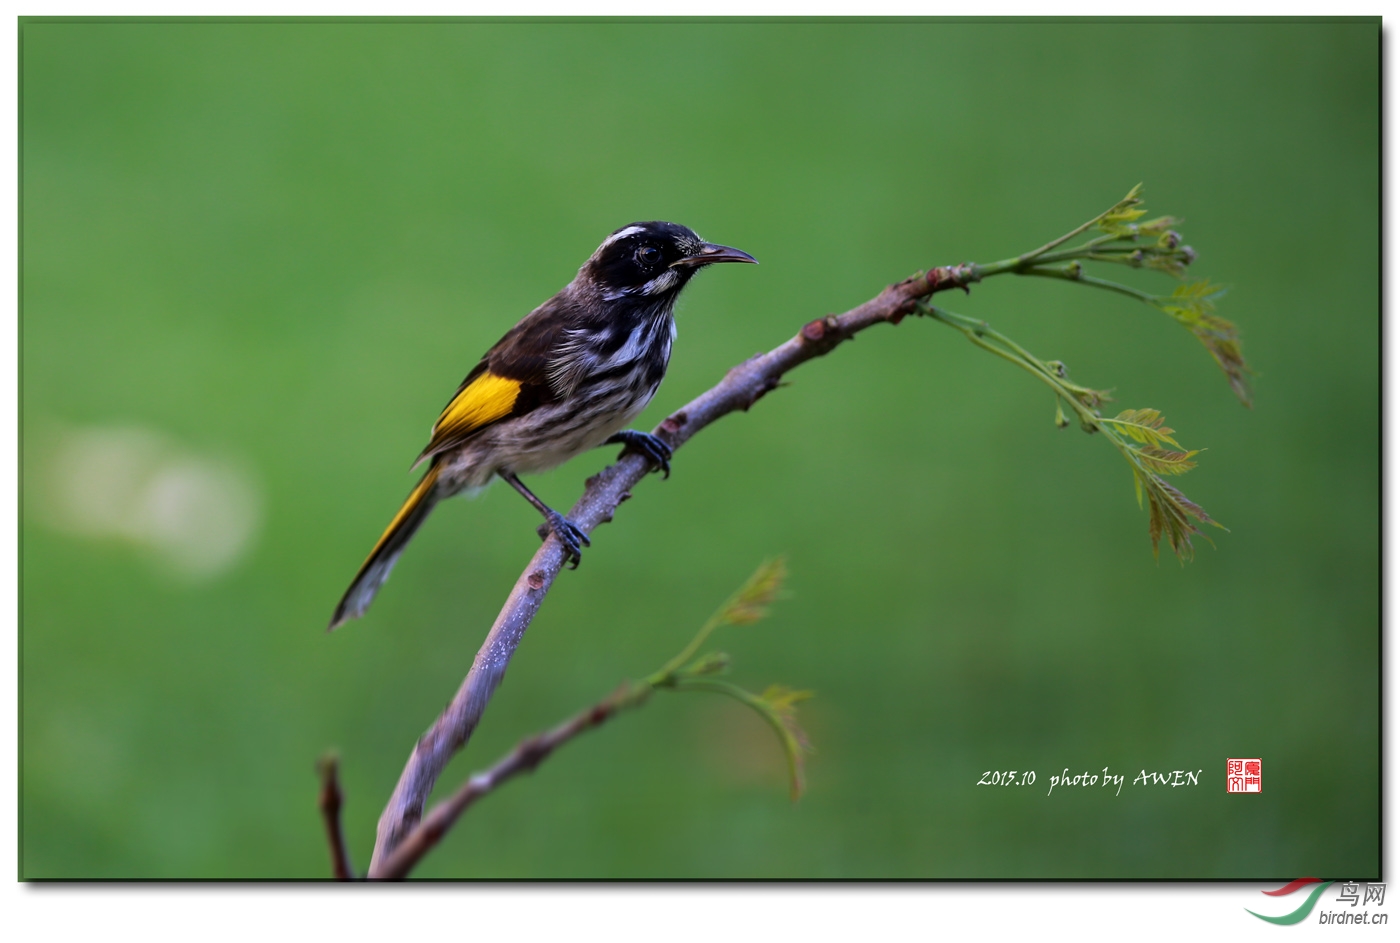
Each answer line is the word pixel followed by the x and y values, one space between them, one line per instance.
pixel 385 554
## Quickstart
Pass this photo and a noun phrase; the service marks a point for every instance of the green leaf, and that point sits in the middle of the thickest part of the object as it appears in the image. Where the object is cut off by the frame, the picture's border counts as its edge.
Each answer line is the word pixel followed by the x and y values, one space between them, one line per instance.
pixel 752 600
pixel 1158 226
pixel 1165 462
pixel 1117 221
pixel 1193 306
pixel 1189 301
pixel 1145 426
pixel 709 664
pixel 1173 515
pixel 1170 513
pixel 782 703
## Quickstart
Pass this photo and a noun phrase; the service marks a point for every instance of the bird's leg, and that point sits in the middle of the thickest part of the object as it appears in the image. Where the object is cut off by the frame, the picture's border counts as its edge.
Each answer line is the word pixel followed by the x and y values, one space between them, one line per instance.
pixel 569 534
pixel 656 451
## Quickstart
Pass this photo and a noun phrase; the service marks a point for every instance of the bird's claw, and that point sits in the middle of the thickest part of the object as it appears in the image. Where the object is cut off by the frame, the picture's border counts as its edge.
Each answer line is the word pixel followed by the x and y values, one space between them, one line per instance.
pixel 571 538
pixel 656 451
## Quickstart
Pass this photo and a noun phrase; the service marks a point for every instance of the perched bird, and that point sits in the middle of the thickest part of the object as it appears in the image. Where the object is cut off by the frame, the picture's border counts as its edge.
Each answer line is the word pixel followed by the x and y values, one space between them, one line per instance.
pixel 565 379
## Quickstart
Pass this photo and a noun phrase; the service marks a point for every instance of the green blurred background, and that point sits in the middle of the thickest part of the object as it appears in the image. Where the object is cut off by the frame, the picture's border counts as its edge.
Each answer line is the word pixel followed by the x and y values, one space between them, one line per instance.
pixel 258 257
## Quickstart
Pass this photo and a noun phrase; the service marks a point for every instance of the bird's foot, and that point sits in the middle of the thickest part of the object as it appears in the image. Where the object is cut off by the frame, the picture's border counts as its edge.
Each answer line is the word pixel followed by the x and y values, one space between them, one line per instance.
pixel 656 451
pixel 571 537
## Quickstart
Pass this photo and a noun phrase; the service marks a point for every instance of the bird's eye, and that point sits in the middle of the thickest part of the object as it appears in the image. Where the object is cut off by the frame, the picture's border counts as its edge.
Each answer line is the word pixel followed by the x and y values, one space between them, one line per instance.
pixel 649 255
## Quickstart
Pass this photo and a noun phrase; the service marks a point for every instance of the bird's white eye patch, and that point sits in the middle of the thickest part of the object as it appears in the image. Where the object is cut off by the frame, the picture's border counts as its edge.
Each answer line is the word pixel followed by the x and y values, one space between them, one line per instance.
pixel 663 282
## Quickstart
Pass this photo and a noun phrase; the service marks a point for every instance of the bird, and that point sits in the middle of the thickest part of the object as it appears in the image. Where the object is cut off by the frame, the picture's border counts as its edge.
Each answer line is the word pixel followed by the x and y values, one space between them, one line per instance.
pixel 567 378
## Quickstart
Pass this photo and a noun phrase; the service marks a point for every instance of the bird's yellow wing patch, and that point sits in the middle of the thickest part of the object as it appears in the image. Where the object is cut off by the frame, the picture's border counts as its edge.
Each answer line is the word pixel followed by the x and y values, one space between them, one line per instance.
pixel 487 398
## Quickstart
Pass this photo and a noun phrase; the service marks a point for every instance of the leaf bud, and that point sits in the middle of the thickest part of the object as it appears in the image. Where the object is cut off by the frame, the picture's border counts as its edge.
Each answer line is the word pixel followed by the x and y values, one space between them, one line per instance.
pixel 713 663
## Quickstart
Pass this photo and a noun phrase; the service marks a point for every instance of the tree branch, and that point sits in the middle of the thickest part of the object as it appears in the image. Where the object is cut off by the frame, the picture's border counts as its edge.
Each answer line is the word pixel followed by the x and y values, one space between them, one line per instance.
pixel 741 387
pixel 523 759
pixel 1124 241
pixel 330 801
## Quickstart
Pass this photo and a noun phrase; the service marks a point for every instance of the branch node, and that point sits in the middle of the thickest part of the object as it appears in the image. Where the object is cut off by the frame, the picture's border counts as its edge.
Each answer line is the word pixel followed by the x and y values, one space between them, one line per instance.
pixel 673 423
pixel 952 276
pixel 823 334
pixel 532 752
pixel 536 580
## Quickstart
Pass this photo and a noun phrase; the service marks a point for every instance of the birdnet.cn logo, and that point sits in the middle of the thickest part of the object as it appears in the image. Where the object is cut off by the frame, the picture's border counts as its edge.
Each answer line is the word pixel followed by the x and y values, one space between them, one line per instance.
pixel 1244 775
pixel 1350 894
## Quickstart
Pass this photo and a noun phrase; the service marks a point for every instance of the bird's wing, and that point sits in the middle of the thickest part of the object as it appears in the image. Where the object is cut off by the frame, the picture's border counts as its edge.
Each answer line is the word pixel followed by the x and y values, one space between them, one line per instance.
pixel 511 380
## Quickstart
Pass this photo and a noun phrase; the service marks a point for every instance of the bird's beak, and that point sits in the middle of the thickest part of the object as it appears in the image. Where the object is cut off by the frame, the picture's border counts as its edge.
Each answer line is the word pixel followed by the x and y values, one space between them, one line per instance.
pixel 712 253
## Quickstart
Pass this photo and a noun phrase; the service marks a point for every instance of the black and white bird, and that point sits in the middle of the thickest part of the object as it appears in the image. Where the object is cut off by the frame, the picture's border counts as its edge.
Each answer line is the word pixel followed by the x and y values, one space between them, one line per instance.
pixel 567 378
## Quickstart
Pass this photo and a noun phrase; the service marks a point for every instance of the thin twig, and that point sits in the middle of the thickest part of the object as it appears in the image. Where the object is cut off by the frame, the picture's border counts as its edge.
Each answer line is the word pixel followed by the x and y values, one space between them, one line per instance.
pixel 523 759
pixel 1036 255
pixel 1066 274
pixel 741 387
pixel 330 801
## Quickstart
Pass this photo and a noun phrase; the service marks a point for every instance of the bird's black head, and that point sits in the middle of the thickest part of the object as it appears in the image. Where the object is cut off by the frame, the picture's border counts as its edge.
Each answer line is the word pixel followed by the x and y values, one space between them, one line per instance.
pixel 653 261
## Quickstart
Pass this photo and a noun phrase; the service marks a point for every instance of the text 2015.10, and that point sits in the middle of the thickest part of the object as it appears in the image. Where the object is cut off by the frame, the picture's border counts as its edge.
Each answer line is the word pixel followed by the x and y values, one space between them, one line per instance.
pixel 1007 777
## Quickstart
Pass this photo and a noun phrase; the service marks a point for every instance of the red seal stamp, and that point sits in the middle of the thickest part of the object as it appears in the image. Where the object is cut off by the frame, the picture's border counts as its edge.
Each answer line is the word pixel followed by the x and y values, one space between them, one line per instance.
pixel 1244 776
